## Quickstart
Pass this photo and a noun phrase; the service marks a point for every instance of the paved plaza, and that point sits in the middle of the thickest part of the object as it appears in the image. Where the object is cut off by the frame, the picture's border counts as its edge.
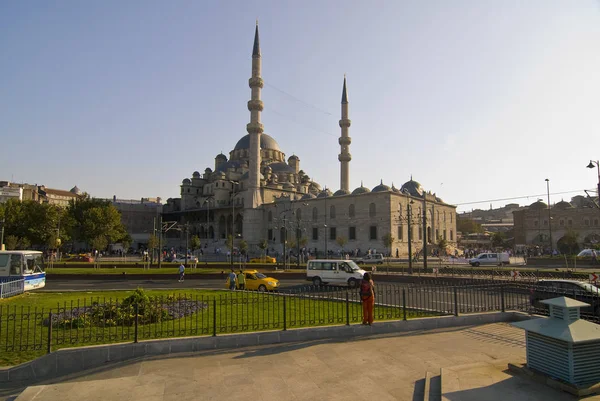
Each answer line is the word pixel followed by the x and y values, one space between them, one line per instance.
pixel 384 367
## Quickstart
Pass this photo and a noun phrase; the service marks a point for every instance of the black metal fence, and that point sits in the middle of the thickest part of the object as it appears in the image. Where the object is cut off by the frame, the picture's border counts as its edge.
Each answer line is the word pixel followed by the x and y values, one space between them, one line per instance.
pixel 101 321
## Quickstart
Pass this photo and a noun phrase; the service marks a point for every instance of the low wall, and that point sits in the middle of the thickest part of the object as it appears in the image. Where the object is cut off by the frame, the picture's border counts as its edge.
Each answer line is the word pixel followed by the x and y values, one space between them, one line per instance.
pixel 76 360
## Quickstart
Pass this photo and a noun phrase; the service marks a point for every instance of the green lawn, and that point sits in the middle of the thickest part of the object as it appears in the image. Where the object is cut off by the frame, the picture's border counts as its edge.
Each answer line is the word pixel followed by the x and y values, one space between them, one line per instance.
pixel 24 336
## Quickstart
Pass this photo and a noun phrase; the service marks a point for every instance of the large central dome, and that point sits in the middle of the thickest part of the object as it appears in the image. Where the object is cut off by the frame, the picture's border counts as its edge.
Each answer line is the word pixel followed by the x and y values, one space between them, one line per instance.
pixel 266 142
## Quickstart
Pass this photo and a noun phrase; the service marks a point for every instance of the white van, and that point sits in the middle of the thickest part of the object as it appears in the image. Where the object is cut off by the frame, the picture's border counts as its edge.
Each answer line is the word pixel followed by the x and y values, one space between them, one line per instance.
pixel 497 259
pixel 339 272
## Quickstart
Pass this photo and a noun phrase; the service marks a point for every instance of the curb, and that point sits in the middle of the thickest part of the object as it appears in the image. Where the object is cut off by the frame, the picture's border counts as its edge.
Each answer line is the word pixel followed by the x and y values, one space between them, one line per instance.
pixel 76 360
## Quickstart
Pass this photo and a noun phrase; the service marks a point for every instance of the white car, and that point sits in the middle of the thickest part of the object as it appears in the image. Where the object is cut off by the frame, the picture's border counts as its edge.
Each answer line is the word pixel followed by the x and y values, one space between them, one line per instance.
pixel 587 253
pixel 374 258
pixel 181 259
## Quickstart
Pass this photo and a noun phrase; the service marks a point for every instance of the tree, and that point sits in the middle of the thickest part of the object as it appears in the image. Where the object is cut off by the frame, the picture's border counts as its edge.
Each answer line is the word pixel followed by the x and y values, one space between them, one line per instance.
pixel 195 242
pixel 100 243
pixel 292 243
pixel 11 242
pixel 152 242
pixel 498 240
pixel 229 242
pixel 87 218
pixel 568 243
pixel 303 241
pixel 468 226
pixel 341 241
pixel 263 244
pixel 388 240
pixel 243 247
pixel 126 242
pixel 442 245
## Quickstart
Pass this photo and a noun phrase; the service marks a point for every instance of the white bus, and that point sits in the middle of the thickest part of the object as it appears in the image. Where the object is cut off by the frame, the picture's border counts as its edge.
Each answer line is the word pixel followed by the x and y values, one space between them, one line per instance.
pixel 25 266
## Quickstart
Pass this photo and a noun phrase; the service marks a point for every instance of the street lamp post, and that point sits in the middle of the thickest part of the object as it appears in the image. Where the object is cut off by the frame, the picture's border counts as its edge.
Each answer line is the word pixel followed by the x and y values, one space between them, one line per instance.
pixel 2 235
pixel 409 218
pixel 591 165
pixel 549 217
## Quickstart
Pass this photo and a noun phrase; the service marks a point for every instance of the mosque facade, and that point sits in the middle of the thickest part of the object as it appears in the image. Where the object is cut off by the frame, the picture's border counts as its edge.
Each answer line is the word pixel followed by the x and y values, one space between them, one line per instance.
pixel 256 195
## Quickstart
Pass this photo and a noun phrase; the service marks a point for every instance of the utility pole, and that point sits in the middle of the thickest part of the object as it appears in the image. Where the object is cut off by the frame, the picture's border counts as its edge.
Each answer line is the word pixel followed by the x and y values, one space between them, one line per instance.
pixel 187 229
pixel 425 237
pixel 2 235
pixel 160 230
pixel 410 267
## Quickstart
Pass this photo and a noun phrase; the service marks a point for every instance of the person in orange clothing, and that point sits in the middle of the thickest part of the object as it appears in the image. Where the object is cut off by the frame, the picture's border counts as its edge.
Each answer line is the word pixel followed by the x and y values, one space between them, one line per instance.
pixel 367 296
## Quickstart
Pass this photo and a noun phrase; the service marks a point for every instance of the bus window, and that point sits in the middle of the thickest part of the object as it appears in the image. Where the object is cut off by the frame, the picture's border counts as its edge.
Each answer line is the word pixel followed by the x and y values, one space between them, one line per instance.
pixel 15 265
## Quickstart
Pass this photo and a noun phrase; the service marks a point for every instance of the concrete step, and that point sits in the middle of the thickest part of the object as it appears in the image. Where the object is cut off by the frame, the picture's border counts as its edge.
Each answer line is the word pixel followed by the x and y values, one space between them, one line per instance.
pixel 433 387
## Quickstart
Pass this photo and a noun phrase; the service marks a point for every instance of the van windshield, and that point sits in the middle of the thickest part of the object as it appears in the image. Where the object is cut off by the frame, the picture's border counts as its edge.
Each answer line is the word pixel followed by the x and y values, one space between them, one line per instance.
pixel 352 265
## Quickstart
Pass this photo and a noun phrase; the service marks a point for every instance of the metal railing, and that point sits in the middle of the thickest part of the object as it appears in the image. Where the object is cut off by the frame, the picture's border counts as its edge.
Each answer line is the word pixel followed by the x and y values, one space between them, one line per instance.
pixel 11 288
pixel 36 330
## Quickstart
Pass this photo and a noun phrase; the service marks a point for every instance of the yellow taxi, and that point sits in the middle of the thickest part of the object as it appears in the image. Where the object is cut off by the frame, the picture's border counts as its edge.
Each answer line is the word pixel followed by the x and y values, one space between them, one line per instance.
pixel 257 281
pixel 263 259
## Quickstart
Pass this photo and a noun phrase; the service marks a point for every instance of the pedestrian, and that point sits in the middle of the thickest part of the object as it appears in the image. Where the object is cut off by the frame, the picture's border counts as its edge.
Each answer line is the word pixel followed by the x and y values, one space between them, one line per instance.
pixel 181 272
pixel 241 280
pixel 367 297
pixel 232 280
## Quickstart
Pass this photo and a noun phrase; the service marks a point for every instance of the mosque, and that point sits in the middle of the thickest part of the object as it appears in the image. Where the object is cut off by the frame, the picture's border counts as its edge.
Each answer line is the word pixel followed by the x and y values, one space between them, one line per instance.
pixel 256 195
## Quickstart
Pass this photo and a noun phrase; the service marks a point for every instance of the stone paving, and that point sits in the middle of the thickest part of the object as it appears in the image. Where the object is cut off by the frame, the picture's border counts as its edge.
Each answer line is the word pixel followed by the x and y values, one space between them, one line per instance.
pixel 376 368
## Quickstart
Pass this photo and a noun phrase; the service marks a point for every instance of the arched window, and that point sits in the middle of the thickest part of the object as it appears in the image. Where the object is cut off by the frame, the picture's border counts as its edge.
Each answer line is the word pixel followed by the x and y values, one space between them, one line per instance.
pixel 332 212
pixel 315 216
pixel 372 210
pixel 270 216
pixel 298 214
pixel 351 212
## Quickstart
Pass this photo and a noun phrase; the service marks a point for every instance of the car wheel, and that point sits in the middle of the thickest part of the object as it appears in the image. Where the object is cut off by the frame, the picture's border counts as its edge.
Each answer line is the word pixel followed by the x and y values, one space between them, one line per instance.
pixel 352 283
pixel 317 281
pixel 262 288
pixel 476 264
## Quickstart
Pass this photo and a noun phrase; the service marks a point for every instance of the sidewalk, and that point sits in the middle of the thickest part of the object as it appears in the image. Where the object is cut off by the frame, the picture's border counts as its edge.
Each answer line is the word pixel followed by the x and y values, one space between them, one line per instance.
pixel 378 368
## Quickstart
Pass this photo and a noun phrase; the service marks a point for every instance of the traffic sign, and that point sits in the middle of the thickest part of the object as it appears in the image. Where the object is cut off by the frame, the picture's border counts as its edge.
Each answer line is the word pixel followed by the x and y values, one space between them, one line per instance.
pixel 515 274
pixel 435 270
pixel 593 277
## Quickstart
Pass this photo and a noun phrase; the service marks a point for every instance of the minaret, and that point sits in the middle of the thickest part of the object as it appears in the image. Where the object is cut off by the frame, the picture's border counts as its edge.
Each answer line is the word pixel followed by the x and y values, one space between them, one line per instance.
pixel 344 157
pixel 255 128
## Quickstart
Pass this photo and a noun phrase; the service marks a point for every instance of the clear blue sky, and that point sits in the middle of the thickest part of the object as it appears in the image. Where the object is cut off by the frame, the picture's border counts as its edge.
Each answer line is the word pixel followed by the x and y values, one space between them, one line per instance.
pixel 476 99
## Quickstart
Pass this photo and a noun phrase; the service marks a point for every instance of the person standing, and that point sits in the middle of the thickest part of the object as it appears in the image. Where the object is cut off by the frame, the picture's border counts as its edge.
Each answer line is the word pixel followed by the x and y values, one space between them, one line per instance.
pixel 367 297
pixel 241 279
pixel 181 272
pixel 232 280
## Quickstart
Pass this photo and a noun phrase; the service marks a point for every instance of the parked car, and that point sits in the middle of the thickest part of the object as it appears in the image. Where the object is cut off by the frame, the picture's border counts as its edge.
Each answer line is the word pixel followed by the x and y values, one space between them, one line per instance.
pixel 257 281
pixel 376 258
pixel 587 253
pixel 181 259
pixel 80 258
pixel 263 259
pixel 579 290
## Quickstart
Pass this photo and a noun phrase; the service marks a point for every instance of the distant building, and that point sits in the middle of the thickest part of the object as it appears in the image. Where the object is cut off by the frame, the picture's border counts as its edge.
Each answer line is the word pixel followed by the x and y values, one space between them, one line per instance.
pixel 140 218
pixel 39 193
pixel 535 224
pixel 7 193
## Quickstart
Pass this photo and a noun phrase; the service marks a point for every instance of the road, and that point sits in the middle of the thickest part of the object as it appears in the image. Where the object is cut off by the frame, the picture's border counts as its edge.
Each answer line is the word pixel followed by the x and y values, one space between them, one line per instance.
pixel 168 283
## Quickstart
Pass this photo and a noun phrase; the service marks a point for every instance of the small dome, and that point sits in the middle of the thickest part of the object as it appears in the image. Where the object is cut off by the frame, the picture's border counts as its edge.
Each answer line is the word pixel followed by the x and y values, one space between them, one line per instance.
pixel 307 196
pixel 381 187
pixel 361 190
pixel 394 189
pixel 75 190
pixel 196 174
pixel 324 193
pixel 221 156
pixel 289 186
pixel 562 205
pixel 341 192
pixel 413 188
pixel 186 181
pixel 208 170
pixel 314 186
pixel 281 167
pixel 293 157
pixel 538 205
pixel 266 142
pixel 227 165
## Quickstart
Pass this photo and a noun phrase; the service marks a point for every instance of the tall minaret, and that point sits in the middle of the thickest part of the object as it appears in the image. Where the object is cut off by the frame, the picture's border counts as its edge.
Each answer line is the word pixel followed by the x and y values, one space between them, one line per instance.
pixel 344 157
pixel 255 128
